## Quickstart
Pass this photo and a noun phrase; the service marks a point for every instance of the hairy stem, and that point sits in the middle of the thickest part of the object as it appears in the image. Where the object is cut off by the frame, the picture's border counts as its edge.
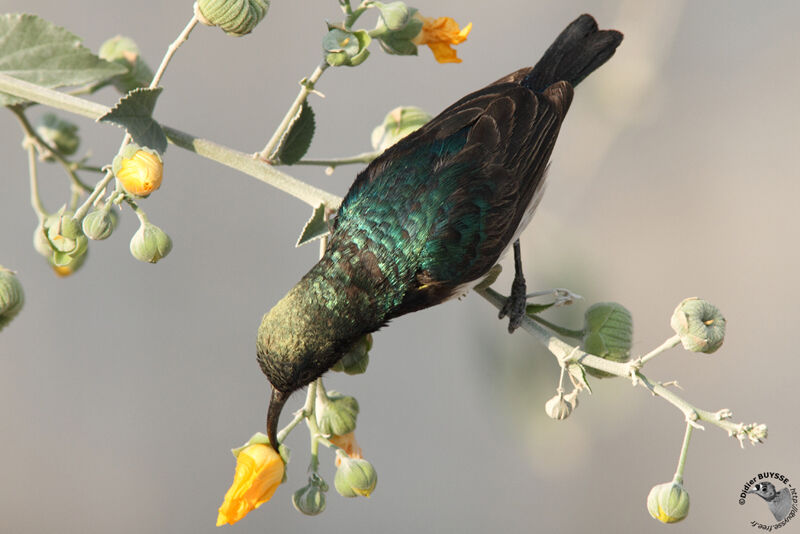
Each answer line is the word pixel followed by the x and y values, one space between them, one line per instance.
pixel 235 159
pixel 364 157
pixel 565 353
pixel 306 86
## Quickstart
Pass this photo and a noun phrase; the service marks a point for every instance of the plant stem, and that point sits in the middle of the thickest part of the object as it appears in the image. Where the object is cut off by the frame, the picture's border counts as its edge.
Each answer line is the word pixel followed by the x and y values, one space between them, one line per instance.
pixel 306 86
pixel 87 204
pixel 36 201
pixel 364 157
pixel 668 344
pixel 682 459
pixel 565 352
pixel 235 159
pixel 184 35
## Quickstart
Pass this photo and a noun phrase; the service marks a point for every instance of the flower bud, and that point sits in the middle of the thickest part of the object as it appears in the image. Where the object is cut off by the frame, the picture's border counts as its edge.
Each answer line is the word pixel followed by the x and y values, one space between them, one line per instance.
pixel 68 245
pixel 355 360
pixel 394 16
pixel 397 124
pixel 124 51
pixel 98 224
pixel 336 413
pixel 12 297
pixel 150 243
pixel 560 406
pixel 699 324
pixel 59 133
pixel 235 17
pixel 64 232
pixel 354 477
pixel 138 169
pixel 608 333
pixel 398 40
pixel 310 499
pixel 344 48
pixel 668 502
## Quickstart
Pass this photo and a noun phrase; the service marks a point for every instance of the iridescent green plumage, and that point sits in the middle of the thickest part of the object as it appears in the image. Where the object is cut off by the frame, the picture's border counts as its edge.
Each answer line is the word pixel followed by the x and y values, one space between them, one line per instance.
pixel 431 215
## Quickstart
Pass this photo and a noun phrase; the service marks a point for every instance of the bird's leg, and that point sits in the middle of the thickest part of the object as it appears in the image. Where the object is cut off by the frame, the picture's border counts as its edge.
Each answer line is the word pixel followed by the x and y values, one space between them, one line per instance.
pixel 517 300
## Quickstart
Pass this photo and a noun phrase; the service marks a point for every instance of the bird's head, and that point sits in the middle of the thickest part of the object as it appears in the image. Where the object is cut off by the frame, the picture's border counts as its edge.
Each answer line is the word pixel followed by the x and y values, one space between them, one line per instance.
pixel 765 490
pixel 299 339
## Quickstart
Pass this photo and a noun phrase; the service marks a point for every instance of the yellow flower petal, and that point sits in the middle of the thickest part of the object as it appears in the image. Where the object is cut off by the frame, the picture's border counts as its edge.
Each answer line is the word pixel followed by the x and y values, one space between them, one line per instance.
pixel 259 471
pixel 440 34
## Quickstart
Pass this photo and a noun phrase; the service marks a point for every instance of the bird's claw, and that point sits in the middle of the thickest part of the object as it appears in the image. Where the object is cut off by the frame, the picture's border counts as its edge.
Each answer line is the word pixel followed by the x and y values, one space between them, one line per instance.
pixel 515 305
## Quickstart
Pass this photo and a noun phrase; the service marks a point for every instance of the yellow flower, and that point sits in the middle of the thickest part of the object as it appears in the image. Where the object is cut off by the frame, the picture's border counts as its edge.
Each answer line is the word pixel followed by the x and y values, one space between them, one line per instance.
pixel 141 173
pixel 259 471
pixel 349 444
pixel 439 34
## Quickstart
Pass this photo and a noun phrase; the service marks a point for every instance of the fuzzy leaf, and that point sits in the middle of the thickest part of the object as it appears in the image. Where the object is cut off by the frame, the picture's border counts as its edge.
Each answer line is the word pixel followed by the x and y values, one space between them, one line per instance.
pixel 134 112
pixel 578 374
pixel 37 51
pixel 297 139
pixel 315 228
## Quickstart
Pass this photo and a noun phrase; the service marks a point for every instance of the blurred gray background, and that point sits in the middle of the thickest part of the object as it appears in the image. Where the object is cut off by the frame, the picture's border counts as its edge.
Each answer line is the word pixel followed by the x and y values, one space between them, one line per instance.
pixel 123 387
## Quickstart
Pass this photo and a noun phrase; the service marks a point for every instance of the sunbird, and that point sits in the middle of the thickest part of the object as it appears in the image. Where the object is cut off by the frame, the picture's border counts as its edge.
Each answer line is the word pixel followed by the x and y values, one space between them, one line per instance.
pixel 431 216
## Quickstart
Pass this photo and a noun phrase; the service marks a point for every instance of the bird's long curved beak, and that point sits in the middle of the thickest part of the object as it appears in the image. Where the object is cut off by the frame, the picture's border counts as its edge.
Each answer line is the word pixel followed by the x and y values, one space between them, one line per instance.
pixel 276 402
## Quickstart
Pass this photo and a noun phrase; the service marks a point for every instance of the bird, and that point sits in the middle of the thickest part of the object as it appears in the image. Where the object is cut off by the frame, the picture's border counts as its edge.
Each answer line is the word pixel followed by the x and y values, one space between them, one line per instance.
pixel 779 502
pixel 430 216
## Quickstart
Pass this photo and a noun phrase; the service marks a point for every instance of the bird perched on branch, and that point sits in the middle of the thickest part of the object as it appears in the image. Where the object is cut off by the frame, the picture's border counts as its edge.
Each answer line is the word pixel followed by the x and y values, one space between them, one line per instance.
pixel 431 216
pixel 779 502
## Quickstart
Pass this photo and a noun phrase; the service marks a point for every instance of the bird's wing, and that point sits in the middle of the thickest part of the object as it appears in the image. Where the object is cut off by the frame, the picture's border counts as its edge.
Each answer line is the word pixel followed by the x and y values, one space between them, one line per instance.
pixel 439 207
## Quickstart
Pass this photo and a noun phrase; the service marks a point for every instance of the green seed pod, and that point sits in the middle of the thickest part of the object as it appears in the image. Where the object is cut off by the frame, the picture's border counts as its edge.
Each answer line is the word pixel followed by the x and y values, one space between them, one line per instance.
pixel 354 477
pixel 59 133
pixel 124 51
pixel 99 224
pixel 235 17
pixel 344 48
pixel 560 406
pixel 310 499
pixel 394 15
pixel 397 124
pixel 12 298
pixel 150 243
pixel 336 413
pixel 355 360
pixel 699 324
pixel 668 502
pixel 608 333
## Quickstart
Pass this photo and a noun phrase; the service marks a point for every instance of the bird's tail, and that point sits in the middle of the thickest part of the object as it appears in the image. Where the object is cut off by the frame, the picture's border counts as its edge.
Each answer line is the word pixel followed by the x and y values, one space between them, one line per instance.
pixel 577 52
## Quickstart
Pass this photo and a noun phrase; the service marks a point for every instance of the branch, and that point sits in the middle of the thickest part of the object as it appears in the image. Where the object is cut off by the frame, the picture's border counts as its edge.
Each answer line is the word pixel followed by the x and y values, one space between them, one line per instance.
pixel 229 157
pixel 569 354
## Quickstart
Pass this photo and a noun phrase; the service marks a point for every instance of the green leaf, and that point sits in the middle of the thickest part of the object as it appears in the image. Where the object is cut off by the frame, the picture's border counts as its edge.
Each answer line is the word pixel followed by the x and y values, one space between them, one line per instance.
pixel 39 52
pixel 532 309
pixel 578 374
pixel 134 112
pixel 295 142
pixel 316 227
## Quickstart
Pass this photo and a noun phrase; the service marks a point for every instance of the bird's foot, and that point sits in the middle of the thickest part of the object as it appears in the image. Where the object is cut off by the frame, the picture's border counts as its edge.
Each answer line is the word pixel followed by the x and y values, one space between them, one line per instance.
pixel 515 304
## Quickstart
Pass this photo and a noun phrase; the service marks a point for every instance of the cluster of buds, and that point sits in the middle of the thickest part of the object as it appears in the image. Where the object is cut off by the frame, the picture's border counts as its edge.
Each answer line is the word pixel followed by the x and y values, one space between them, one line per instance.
pixel 124 52
pixel 59 133
pixel 60 239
